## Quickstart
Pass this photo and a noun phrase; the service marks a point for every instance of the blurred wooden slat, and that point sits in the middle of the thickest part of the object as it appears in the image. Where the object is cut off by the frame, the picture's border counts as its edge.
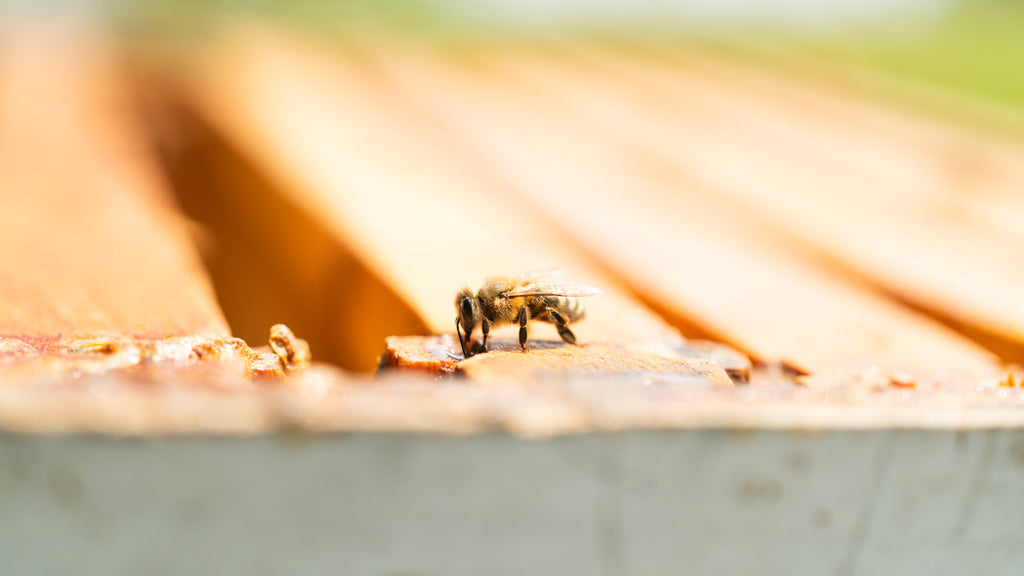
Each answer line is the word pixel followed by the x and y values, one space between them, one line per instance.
pixel 928 221
pixel 388 187
pixel 970 170
pixel 702 260
pixel 90 240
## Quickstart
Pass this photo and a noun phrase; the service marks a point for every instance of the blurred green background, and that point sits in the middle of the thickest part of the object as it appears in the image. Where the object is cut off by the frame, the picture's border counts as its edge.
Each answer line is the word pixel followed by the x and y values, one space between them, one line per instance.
pixel 969 47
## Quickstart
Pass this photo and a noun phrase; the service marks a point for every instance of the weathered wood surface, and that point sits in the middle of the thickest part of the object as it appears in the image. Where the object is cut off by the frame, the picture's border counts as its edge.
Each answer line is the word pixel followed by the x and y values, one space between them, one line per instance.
pixel 90 240
pixel 704 502
pixel 324 399
pixel 713 364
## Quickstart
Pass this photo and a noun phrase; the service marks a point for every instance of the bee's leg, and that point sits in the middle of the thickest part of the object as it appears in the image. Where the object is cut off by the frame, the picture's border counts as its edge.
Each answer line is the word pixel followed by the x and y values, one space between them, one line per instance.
pixel 562 325
pixel 462 340
pixel 485 326
pixel 522 317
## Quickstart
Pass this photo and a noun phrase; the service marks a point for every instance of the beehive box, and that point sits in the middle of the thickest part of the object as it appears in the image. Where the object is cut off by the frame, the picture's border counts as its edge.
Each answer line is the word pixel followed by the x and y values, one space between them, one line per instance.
pixel 802 360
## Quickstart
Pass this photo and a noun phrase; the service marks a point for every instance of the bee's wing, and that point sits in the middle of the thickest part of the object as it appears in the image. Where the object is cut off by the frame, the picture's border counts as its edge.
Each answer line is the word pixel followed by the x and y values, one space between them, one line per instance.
pixel 570 289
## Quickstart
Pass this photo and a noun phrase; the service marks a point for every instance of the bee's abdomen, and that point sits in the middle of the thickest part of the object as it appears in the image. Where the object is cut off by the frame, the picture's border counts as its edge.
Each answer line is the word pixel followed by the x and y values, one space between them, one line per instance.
pixel 568 307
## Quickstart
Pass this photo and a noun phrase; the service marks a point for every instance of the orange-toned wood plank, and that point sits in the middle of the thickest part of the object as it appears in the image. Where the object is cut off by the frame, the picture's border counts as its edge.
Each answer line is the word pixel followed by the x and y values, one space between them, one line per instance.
pixel 560 145
pixel 505 361
pixel 323 399
pixel 90 240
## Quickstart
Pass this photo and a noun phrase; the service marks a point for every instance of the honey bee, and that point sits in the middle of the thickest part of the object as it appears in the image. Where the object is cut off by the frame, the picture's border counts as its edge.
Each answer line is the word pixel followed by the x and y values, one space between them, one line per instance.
pixel 517 300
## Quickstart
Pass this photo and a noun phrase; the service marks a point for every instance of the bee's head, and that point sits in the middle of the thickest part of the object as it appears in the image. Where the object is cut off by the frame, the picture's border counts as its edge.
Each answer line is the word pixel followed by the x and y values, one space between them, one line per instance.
pixel 467 309
pixel 468 315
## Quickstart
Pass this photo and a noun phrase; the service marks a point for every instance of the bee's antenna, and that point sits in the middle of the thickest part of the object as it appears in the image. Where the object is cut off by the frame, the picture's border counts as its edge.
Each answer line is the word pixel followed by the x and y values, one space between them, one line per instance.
pixel 462 341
